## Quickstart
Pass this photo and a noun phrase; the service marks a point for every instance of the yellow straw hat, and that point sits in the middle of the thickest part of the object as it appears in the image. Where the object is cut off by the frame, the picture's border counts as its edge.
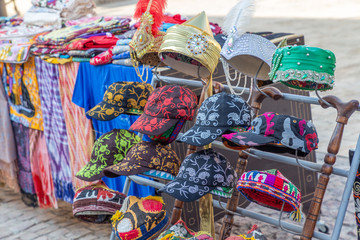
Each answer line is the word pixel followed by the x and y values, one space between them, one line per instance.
pixel 191 48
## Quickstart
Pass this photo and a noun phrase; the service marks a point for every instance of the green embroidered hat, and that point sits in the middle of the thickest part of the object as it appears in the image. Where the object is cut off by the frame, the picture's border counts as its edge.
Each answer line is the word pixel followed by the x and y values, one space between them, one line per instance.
pixel 303 67
pixel 109 149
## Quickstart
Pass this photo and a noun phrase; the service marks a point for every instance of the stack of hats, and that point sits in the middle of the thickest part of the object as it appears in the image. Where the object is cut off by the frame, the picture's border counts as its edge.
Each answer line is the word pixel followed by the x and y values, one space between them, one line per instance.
pixel 140 218
pixel 202 172
pixel 96 203
pixel 165 113
pixel 277 133
pixel 111 148
pixel 218 114
pixel 121 98
pixel 271 189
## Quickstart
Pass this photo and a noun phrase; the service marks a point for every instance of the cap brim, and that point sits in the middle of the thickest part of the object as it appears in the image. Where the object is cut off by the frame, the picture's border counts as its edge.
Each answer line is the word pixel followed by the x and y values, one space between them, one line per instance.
pixel 185 191
pixel 152 125
pixel 121 169
pixel 200 136
pixel 105 111
pixel 248 139
pixel 82 173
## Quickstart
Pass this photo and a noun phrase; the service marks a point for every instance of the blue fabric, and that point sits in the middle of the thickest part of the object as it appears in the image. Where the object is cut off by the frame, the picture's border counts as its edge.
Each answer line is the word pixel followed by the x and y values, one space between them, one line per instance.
pixel 91 84
pixel 121 55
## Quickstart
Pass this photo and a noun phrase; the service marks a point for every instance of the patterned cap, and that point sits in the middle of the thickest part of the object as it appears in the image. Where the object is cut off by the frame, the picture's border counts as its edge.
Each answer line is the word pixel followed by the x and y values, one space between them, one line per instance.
pixel 96 203
pixel 247 52
pixel 303 67
pixel 120 98
pixel 146 156
pixel 170 135
pixel 199 174
pixel 140 218
pixel 271 189
pixel 216 115
pixel 179 231
pixel 228 135
pixel 109 149
pixel 278 133
pixel 165 107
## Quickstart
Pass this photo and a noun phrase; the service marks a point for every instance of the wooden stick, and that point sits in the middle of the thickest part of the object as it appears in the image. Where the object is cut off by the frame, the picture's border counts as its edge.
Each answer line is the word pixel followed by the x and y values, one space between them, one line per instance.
pixel 344 111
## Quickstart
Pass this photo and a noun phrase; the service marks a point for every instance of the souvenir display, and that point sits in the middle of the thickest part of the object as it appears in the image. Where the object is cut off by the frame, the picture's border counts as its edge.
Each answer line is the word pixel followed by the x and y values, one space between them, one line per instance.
pixel 179 231
pixel 203 172
pixel 303 67
pixel 144 157
pixel 166 106
pixel 109 149
pixel 191 48
pixel 278 133
pixel 216 115
pixel 140 218
pixel 96 203
pixel 121 98
pixel 271 189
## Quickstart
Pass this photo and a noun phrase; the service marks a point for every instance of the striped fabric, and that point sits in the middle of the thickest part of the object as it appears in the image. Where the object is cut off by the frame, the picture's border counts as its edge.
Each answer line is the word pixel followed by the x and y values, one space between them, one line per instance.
pixel 55 129
pixel 79 128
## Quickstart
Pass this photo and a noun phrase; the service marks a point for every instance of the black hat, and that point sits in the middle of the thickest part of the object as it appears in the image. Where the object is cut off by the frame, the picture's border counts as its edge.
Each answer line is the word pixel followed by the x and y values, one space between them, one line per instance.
pixel 200 173
pixel 216 115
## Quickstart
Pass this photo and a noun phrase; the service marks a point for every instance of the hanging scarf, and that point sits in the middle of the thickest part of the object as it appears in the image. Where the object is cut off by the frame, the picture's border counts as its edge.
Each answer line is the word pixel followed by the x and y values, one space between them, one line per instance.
pixel 40 169
pixel 26 182
pixel 55 129
pixel 7 146
pixel 79 128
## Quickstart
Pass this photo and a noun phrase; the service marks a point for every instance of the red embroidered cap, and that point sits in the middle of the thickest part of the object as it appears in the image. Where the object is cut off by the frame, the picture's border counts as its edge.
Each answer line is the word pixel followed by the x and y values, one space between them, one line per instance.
pixel 165 107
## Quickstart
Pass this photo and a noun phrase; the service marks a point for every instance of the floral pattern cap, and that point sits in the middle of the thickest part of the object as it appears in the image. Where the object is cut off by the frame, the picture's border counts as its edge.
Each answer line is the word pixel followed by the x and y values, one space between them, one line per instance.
pixel 278 133
pixel 165 107
pixel 217 114
pixel 140 218
pixel 120 98
pixel 200 173
pixel 146 156
pixel 111 148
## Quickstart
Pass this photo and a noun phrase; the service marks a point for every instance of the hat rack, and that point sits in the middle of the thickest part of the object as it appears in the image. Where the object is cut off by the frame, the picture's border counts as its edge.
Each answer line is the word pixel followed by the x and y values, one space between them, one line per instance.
pixel 307 231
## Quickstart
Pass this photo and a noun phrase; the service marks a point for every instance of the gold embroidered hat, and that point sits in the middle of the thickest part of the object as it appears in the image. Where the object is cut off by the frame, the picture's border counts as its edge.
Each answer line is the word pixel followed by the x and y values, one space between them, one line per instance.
pixel 191 48
pixel 121 98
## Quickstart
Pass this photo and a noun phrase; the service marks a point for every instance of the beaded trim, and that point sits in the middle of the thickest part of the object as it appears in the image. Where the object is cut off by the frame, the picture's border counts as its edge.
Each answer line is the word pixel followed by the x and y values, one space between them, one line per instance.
pixel 307 76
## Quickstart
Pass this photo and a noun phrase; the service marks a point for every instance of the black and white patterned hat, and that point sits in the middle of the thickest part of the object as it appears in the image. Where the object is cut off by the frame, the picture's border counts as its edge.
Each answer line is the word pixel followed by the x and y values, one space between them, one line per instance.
pixel 216 115
pixel 200 173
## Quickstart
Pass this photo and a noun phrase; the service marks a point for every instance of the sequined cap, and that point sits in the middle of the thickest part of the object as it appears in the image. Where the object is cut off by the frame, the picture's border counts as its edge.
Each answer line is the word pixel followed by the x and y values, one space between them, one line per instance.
pixel 191 48
pixel 247 52
pixel 303 67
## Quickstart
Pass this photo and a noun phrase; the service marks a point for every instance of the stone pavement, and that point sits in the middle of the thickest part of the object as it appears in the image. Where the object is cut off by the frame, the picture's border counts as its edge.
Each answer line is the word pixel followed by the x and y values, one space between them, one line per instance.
pixel 18 221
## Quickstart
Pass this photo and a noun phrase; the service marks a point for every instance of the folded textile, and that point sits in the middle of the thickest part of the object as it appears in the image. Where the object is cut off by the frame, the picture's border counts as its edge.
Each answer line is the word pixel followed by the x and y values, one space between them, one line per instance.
pixel 103 58
pixel 79 59
pixel 124 62
pixel 59 4
pixel 128 34
pixel 123 55
pixel 121 49
pixel 22 31
pixel 14 53
pixel 87 53
pixel 125 41
pixel 93 42
pixel 43 17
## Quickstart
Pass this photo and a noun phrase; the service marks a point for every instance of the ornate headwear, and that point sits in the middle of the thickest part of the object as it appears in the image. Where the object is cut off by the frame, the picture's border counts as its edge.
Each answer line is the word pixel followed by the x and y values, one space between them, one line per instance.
pixel 191 48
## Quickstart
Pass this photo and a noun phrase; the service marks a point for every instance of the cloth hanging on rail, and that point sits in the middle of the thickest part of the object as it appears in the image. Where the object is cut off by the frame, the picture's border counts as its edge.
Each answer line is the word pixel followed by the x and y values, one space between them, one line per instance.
pixel 7 146
pixel 55 129
pixel 79 129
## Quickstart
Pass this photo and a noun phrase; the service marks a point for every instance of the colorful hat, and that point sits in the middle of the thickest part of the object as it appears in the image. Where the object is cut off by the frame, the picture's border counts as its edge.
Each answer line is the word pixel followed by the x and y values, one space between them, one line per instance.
pixel 303 67
pixel 228 135
pixel 246 53
pixel 278 133
pixel 109 149
pixel 165 107
pixel 120 98
pixel 216 115
pixel 96 203
pixel 179 231
pixel 170 135
pixel 271 189
pixel 201 173
pixel 191 48
pixel 140 218
pixel 146 156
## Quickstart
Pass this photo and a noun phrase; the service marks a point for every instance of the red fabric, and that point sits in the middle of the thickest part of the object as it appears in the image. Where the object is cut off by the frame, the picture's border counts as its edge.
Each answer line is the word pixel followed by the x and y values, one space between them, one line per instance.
pixel 102 58
pixel 93 42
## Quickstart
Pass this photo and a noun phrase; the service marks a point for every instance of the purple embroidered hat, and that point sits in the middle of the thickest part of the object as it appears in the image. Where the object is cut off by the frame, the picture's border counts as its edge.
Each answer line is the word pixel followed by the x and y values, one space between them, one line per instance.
pixel 278 133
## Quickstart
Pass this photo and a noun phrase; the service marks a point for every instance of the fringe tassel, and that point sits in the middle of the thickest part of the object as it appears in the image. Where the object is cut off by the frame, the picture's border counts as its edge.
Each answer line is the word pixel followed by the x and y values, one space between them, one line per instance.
pixel 295 215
